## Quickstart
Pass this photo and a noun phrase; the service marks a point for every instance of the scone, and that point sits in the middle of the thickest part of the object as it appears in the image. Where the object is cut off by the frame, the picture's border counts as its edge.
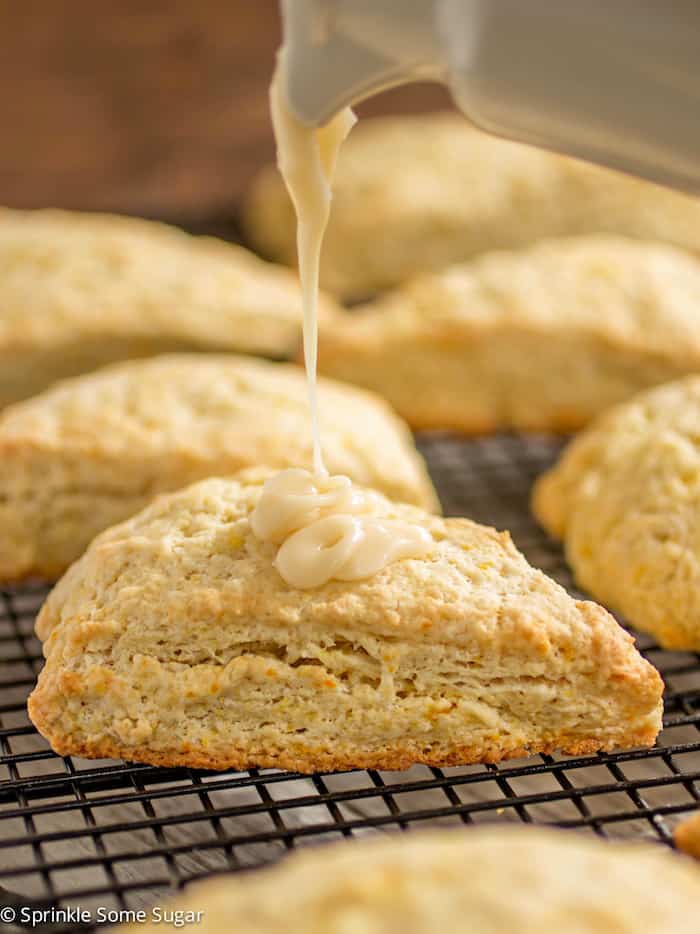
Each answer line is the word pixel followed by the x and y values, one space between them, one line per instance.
pixel 81 290
pixel 539 339
pixel 625 499
pixel 93 450
pixel 417 194
pixel 174 641
pixel 687 835
pixel 495 880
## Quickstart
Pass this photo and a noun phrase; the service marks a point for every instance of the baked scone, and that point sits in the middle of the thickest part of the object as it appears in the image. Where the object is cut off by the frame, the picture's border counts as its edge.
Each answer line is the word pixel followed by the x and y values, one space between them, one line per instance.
pixel 416 194
pixel 81 290
pixel 625 499
pixel 93 450
pixel 538 339
pixel 686 835
pixel 490 880
pixel 174 641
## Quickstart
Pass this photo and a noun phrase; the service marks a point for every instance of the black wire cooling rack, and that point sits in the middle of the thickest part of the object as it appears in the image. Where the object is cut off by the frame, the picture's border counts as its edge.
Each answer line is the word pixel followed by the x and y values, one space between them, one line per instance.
pixel 113 835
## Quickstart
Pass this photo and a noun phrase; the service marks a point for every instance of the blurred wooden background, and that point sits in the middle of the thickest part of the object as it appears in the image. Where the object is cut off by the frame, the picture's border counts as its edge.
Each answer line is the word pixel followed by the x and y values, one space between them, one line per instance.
pixel 155 107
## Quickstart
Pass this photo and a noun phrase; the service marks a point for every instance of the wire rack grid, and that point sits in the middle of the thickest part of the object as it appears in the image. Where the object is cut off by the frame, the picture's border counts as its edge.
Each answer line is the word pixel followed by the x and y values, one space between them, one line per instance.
pixel 117 835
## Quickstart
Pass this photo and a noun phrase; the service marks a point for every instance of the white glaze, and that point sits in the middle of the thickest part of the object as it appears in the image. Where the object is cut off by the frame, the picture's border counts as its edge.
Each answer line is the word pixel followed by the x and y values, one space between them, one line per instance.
pixel 329 529
pixel 306 160
pixel 326 528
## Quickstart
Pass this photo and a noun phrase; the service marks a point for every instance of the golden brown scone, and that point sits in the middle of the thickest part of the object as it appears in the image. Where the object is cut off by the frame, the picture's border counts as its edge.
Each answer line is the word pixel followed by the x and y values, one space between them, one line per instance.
pixel 490 880
pixel 81 290
pixel 625 499
pixel 687 835
pixel 93 450
pixel 539 339
pixel 174 641
pixel 417 194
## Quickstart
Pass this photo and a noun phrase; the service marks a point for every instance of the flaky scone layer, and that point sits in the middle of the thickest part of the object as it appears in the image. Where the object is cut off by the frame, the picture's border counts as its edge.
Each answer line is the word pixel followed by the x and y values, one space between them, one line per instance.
pixel 415 194
pixel 537 339
pixel 173 640
pixel 495 880
pixel 625 499
pixel 93 450
pixel 78 291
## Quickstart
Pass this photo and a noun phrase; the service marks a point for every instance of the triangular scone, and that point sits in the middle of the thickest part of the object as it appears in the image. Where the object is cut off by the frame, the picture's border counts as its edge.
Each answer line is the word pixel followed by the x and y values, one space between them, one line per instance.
pixel 542 339
pixel 174 641
pixel 481 880
pixel 93 450
pixel 81 290
pixel 625 499
pixel 416 194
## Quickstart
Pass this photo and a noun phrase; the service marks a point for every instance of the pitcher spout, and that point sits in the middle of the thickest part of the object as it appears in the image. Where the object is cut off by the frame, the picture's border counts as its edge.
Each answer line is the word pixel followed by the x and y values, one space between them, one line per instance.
pixel 338 52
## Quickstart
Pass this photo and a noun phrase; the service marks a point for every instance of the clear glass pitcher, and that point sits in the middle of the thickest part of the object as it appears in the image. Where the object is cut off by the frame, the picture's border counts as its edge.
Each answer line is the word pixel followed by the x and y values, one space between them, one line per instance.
pixel 612 81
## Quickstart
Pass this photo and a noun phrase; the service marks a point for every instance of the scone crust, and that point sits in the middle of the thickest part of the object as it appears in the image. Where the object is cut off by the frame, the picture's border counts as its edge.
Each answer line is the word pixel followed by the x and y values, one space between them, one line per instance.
pixel 416 194
pixel 396 757
pixel 686 835
pixel 91 451
pixel 624 498
pixel 542 339
pixel 173 637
